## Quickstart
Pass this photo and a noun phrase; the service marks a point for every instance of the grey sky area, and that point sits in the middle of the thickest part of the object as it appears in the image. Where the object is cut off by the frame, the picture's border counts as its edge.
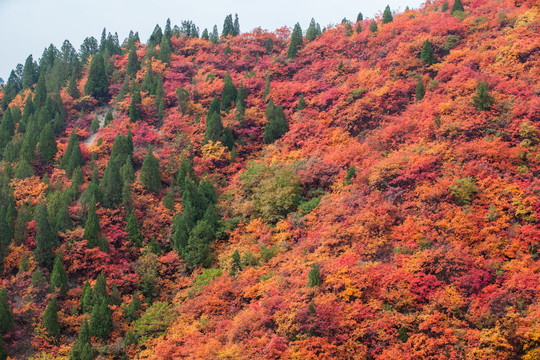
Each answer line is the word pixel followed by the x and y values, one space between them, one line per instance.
pixel 28 26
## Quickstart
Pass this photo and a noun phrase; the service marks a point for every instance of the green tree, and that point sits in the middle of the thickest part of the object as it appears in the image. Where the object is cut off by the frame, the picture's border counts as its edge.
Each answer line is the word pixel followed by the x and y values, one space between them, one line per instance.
pixel 360 17
pixel 21 223
pixel 133 230
pixel 97 85
pixel 108 118
pixel 277 123
pixel 296 42
pixel 183 98
pixel 426 53
pixel 314 277
pixel 82 349
pixel 45 238
pixel 165 50
pixel 133 64
pixel 94 125
pixel 482 100
pixel 40 94
pixel 3 351
pixel 92 228
pixel 7 129
pixel 214 127
pixel 373 26
pixel 101 320
pixel 228 26
pixel 150 175
pixel 420 90
pixel 23 170
pixel 135 106
pixel 313 30
pixel 86 298
pixel 47 144
pixel 445 6
pixel 198 250
pixel 99 293
pixel 30 73
pixel 457 6
pixel 131 311
pixel 50 319
pixel 6 314
pixel 351 173
pixel 59 280
pixel 236 263
pixel 301 103
pixel 387 15
pixel 168 200
pixel 72 157
pixel 228 94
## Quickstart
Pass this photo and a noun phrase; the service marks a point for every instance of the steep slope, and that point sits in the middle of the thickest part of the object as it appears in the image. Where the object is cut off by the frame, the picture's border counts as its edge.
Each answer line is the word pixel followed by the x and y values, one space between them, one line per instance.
pixel 393 216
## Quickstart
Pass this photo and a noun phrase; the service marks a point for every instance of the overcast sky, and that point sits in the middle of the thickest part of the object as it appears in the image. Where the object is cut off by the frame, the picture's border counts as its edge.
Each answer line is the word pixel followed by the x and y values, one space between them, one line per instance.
pixel 28 26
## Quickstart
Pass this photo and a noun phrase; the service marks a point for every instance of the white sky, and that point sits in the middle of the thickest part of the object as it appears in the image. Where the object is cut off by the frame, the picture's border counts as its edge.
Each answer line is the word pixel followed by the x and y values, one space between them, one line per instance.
pixel 28 26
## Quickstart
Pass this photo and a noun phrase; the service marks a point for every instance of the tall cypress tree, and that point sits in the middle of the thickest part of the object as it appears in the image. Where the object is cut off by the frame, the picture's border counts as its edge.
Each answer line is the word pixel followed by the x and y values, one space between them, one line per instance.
pixel 165 50
pixel 6 314
pixel 99 292
pixel 387 15
pixel 457 6
pixel 50 319
pixel 228 94
pixel 133 230
pixel 214 127
pixel 133 64
pixel 86 298
pixel 7 129
pixel 150 173
pixel 277 123
pixel 72 157
pixel 313 30
pixel 73 86
pixel 296 42
pixel 482 100
pixel 59 280
pixel 82 350
pixel 134 107
pixel 97 85
pixel 92 228
pixel 373 26
pixel 45 238
pixel 47 144
pixel 426 53
pixel 420 90
pixel 101 320
pixel 30 73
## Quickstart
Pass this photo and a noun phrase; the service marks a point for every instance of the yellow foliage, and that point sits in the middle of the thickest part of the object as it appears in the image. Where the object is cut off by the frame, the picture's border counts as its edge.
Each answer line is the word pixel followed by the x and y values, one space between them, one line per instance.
pixel 215 151
pixel 30 189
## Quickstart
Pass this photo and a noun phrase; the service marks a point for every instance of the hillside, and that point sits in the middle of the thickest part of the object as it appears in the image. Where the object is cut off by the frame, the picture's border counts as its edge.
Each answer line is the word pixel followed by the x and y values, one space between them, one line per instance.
pixel 370 191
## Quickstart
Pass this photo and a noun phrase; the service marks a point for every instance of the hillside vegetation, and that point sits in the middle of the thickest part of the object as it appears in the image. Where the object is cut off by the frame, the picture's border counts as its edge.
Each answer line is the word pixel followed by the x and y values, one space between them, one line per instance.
pixel 366 191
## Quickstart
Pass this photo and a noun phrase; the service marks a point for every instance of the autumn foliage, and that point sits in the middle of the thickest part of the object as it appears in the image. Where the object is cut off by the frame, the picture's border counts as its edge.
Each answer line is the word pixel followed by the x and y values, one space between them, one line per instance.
pixel 374 196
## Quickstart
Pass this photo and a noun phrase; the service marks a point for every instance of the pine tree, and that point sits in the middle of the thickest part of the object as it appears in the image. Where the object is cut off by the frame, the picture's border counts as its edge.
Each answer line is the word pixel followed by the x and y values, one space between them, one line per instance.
pixel 72 157
pixel 73 87
pixel 205 35
pixel 228 26
pixel 38 280
pixel 30 73
pixel 183 97
pixel 427 53
pixel 86 298
pixel 457 6
pixel 50 319
pixel 40 94
pixel 360 17
pixel 150 175
pixel 59 280
pixel 108 118
pixel 124 90
pixel 160 96
pixel 277 124
pixel 445 6
pixel 313 30
pixel 197 251
pixel 94 125
pixel 133 64
pixel 314 276
pixel 165 50
pixel 387 15
pixel 236 264
pixel 131 312
pixel 97 85
pixel 45 238
pixel 47 144
pixel 296 42
pixel 101 320
pixel 214 36
pixel 99 293
pixel 148 80
pixel 6 314
pixel 133 230
pixel 301 103
pixel 82 349
pixel 482 100
pixel 168 200
pixel 420 90
pixel 228 94
pixel 92 229
pixel 373 26
pixel 134 107
pixel 214 127
pixel 7 129
pixel 351 173
pixel 236 26
pixel 23 170
pixel 111 183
